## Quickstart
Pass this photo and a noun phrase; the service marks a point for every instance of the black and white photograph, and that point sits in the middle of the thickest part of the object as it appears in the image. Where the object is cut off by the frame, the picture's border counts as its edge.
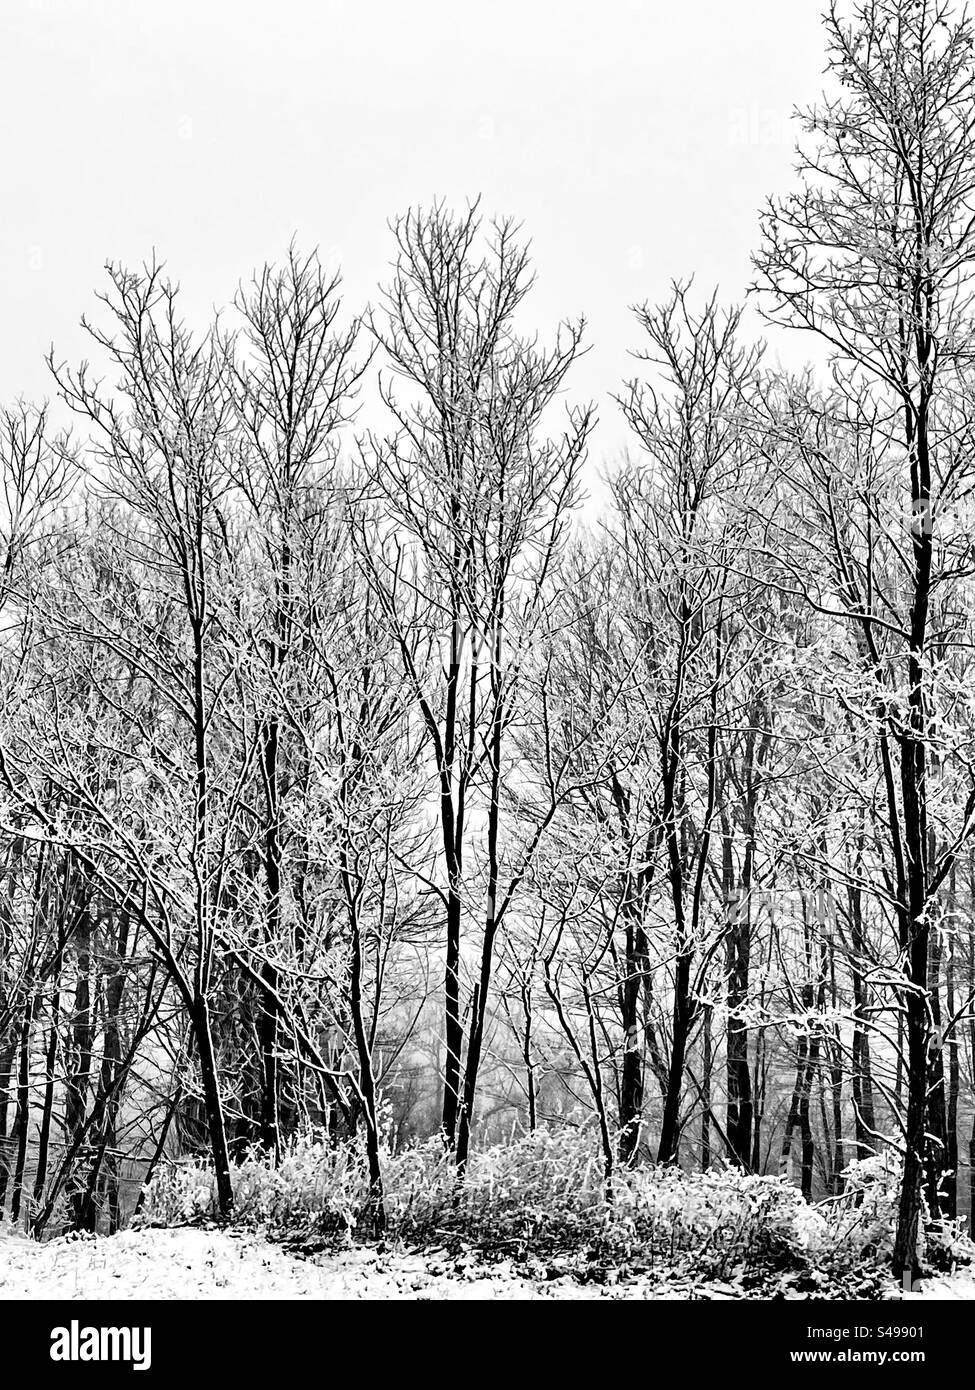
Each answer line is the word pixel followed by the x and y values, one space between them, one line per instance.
pixel 487 675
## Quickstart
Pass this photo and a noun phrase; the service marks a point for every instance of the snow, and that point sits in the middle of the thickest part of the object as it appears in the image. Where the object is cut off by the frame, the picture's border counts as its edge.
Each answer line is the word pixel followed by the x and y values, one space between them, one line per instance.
pixel 190 1263
pixel 197 1263
pixel 960 1285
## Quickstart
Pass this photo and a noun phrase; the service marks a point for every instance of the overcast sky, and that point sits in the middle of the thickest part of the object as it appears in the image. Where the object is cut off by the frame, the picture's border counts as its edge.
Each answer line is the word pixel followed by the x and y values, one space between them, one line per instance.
pixel 635 139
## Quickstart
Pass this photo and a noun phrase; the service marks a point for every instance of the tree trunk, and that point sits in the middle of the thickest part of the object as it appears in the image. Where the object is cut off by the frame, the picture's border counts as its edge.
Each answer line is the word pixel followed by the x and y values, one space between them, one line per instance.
pixel 213 1105
pixel 526 1051
pixel 740 1106
pixel 269 1021
pixel 22 1120
pixel 937 1181
pixel 632 1070
pixel 954 1073
pixel 706 1092
pixel 47 1114
pixel 376 1207
pixel 905 1261
pixel 669 1146
pixel 83 1038
pixel 861 1080
pixel 792 1119
pixel 6 1075
pixel 479 1004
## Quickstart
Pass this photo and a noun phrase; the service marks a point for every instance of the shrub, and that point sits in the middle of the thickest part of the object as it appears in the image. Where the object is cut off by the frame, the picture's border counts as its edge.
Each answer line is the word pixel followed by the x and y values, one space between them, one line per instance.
pixel 317 1183
pixel 863 1220
pixel 545 1196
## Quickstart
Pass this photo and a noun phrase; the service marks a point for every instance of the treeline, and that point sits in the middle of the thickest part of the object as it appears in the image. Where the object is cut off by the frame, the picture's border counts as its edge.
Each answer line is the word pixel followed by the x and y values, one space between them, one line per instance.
pixel 350 780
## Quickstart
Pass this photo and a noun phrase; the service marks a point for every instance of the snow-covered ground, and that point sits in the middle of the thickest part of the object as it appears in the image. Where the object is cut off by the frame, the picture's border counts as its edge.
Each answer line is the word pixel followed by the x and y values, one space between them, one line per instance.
pixel 191 1263
pixel 954 1286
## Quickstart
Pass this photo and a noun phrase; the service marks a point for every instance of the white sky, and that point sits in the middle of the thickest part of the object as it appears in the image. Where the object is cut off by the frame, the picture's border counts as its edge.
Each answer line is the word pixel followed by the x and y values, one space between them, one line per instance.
pixel 635 139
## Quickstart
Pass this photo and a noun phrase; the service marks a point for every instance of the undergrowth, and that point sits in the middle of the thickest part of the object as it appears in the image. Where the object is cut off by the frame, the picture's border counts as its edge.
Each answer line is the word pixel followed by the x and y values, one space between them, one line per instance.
pixel 543 1199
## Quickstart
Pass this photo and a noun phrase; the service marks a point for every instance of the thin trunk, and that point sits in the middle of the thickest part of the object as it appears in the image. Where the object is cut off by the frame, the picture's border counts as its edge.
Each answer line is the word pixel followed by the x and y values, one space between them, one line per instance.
pixel 452 825
pixel 738 907
pixel 706 1064
pixel 527 1005
pixel 861 1079
pixel 22 1120
pixel 937 1181
pixel 954 1074
pixel 805 1128
pixel 683 1017
pixel 213 1105
pixel 376 1208
pixel 160 1147
pixel 792 1119
pixel 632 1070
pixel 475 1042
pixel 47 1114
pixel 83 1037
pixel 269 1022
pixel 912 839
pixel 111 1067
pixel 836 1081
pixel 6 1074
pixel 807 1062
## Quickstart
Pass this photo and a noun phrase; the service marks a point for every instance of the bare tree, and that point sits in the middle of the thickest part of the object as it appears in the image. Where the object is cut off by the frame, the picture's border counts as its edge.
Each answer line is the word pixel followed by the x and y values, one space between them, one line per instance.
pixel 158 457
pixel 680 533
pixel 474 506
pixel 873 254
pixel 293 387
